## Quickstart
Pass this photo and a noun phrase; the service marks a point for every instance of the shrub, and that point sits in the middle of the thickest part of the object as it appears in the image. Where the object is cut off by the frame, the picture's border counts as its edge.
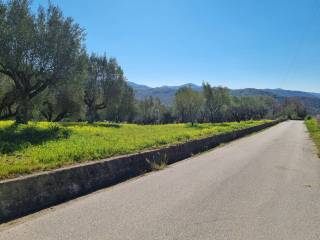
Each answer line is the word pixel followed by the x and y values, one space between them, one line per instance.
pixel 308 117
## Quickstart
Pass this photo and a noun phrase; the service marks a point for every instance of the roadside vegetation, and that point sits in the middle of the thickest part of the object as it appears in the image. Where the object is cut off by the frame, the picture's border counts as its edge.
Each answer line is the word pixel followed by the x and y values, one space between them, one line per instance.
pixel 42 146
pixel 55 99
pixel 313 125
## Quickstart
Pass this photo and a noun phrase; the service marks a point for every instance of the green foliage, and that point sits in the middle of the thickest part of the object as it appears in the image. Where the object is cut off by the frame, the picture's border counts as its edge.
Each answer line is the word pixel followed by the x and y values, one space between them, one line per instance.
pixel 37 50
pixel 7 96
pixel 150 111
pixel 16 137
pixel 308 117
pixel 254 107
pixel 313 126
pixel 217 99
pixel 292 108
pixel 41 146
pixel 107 95
pixel 188 104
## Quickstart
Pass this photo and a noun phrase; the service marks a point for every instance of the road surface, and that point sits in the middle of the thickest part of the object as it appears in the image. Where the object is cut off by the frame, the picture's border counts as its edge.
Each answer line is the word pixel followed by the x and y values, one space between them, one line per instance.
pixel 264 186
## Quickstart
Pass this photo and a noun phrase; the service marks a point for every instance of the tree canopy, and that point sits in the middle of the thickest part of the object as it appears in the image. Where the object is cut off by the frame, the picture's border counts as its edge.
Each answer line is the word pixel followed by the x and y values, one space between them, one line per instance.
pixel 37 50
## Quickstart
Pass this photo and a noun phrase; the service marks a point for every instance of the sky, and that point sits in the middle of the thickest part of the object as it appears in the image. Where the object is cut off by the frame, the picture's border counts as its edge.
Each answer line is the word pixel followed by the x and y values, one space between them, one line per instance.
pixel 232 43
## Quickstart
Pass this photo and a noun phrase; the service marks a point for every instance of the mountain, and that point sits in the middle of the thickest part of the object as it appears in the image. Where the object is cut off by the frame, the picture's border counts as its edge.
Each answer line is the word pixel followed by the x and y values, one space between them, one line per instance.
pixel 166 94
pixel 310 100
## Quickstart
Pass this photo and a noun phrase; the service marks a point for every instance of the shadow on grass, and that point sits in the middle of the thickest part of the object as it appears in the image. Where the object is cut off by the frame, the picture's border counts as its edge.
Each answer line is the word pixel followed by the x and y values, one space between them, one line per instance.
pixel 107 125
pixel 207 125
pixel 195 125
pixel 97 124
pixel 17 137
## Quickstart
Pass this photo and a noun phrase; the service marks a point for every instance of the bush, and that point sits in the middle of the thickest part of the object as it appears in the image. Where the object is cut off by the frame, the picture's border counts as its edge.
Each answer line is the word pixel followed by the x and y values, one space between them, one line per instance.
pixel 308 117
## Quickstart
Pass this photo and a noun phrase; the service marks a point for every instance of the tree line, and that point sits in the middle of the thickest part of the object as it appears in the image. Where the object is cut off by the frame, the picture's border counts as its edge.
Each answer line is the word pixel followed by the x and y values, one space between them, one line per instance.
pixel 216 104
pixel 47 74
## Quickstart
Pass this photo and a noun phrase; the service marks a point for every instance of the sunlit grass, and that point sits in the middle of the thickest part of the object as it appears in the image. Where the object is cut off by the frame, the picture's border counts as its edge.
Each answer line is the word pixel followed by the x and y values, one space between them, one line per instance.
pixel 314 128
pixel 41 146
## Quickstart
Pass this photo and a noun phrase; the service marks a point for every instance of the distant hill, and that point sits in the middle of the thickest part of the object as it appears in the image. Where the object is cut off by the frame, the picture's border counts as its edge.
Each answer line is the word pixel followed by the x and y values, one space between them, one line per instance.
pixel 275 92
pixel 166 94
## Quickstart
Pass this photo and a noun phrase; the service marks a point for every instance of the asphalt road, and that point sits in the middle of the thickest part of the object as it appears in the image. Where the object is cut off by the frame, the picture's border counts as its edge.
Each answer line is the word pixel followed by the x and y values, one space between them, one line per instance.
pixel 265 186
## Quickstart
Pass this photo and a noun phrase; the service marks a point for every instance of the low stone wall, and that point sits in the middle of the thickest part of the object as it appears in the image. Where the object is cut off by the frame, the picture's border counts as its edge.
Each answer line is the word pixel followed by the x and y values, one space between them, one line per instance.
pixel 28 194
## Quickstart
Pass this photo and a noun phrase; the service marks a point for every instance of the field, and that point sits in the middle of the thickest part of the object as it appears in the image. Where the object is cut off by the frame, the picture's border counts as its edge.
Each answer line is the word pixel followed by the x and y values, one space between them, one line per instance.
pixel 42 146
pixel 314 129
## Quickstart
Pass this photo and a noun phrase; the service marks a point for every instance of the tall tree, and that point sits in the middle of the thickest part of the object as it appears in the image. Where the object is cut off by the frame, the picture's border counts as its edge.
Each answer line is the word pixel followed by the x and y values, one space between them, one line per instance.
pixel 126 109
pixel 107 91
pixel 115 90
pixel 94 97
pixel 251 107
pixel 63 99
pixel 151 110
pixel 216 98
pixel 188 103
pixel 292 108
pixel 36 50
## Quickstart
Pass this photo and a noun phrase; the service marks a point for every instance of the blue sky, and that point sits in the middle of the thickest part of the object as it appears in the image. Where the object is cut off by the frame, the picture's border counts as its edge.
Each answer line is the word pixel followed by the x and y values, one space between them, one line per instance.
pixel 233 43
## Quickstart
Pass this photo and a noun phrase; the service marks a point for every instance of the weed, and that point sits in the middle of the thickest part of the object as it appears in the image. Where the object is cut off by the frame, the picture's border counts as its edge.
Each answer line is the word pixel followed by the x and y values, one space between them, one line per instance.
pixel 42 146
pixel 313 126
pixel 159 164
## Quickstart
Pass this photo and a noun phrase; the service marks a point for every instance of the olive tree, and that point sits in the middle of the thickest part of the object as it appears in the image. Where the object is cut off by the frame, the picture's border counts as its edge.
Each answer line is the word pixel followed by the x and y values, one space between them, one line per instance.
pixel 215 99
pixel 37 50
pixel 188 104
pixel 94 86
pixel 150 110
pixel 107 94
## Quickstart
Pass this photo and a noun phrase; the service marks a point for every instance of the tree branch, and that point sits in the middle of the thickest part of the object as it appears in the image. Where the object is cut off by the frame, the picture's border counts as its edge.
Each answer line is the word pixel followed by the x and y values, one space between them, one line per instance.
pixel 100 106
pixel 60 116
pixel 41 87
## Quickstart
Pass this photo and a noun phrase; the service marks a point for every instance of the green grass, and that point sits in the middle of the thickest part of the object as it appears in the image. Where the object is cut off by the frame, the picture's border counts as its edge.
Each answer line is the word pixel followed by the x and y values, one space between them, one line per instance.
pixel 314 129
pixel 42 146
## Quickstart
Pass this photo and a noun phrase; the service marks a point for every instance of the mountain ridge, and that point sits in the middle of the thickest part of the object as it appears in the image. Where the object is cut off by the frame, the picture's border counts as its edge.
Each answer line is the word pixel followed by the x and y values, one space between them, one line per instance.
pixel 166 94
pixel 197 87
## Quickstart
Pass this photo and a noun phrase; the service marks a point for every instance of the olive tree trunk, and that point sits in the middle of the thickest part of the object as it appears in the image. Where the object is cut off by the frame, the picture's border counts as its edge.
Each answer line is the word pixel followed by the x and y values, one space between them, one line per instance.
pixel 23 109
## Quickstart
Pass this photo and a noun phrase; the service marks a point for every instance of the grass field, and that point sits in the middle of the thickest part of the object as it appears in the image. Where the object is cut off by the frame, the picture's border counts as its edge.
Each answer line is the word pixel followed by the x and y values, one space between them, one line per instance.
pixel 314 129
pixel 41 146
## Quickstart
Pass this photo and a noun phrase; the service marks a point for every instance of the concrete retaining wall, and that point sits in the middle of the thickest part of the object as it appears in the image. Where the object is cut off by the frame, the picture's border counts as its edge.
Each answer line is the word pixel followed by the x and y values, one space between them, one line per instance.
pixel 28 194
